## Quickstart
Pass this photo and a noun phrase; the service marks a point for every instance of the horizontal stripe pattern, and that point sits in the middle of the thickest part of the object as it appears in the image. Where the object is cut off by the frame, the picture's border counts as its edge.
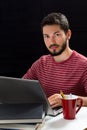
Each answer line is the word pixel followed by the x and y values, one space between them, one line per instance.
pixel 69 76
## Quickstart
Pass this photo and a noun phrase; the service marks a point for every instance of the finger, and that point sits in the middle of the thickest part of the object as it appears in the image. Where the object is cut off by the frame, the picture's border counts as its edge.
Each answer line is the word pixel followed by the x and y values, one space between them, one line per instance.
pixel 54 96
pixel 55 105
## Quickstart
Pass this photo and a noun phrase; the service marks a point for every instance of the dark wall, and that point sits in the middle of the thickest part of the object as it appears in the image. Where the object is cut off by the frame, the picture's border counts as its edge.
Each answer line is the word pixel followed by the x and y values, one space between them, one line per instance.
pixel 21 41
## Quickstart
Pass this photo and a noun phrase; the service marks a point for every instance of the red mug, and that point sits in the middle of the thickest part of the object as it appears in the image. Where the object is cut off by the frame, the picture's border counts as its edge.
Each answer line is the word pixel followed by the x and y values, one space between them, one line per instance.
pixel 69 104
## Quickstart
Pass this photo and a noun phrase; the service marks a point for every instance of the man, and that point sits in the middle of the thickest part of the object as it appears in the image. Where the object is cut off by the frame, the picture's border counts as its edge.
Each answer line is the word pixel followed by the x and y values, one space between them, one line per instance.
pixel 63 69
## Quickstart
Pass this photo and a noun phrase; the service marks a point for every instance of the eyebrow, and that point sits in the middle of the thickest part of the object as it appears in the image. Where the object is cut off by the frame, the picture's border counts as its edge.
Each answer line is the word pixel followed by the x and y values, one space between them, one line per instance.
pixel 56 32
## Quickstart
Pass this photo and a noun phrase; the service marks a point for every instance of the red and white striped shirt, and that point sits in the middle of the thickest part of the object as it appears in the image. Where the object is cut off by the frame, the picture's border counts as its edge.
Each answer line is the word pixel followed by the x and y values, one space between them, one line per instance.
pixel 70 76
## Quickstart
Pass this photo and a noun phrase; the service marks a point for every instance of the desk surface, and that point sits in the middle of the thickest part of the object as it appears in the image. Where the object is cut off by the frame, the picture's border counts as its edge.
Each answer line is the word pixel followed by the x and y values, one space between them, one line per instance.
pixel 58 123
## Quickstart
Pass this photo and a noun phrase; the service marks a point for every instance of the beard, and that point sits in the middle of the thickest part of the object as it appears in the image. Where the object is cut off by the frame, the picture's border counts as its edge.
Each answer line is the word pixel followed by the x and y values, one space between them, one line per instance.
pixel 54 53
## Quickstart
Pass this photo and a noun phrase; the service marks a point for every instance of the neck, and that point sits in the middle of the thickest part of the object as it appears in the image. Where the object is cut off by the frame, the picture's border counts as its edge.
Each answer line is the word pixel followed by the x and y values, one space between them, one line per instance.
pixel 64 56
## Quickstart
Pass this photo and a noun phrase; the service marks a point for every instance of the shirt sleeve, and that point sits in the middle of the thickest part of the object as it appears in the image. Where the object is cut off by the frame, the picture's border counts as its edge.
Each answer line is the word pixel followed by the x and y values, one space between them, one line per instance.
pixel 84 80
pixel 32 71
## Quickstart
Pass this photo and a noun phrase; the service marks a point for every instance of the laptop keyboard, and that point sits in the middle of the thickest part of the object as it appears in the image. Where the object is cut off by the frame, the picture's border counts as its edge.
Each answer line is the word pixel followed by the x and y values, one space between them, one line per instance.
pixel 57 110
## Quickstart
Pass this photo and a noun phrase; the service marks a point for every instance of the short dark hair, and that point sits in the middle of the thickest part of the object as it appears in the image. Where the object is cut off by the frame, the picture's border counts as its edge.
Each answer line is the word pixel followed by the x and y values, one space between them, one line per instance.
pixel 56 18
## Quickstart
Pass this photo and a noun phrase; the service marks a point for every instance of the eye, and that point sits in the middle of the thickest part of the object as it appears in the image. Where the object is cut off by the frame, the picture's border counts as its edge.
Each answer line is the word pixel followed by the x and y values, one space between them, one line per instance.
pixel 46 36
pixel 57 34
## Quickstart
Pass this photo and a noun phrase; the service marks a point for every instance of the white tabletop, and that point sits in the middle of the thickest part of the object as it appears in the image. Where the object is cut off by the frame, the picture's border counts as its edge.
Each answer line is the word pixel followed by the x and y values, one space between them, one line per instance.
pixel 59 123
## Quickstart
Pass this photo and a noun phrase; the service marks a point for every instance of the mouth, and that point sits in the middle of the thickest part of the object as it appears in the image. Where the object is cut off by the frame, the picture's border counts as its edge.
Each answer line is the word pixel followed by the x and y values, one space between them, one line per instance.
pixel 53 47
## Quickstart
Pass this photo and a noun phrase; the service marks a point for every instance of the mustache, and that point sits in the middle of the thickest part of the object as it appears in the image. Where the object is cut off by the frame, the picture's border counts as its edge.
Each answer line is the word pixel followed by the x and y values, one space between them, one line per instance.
pixel 53 45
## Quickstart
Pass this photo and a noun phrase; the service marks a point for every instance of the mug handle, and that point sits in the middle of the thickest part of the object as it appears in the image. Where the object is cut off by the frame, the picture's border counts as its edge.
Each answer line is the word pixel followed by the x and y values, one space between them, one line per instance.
pixel 80 105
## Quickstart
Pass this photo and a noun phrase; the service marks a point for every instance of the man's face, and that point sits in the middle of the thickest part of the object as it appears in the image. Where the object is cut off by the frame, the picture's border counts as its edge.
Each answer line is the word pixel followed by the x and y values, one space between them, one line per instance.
pixel 55 39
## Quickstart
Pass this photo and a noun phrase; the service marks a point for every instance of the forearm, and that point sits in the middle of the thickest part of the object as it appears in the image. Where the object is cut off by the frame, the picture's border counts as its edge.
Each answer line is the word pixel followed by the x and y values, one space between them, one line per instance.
pixel 84 100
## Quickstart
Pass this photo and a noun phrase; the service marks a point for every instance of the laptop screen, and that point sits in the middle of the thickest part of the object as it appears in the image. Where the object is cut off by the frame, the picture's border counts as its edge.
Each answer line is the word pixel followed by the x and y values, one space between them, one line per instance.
pixel 17 90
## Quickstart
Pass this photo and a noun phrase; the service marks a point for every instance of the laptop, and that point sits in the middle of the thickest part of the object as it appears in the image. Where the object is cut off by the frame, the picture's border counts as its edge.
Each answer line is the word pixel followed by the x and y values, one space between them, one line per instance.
pixel 23 91
pixel 21 113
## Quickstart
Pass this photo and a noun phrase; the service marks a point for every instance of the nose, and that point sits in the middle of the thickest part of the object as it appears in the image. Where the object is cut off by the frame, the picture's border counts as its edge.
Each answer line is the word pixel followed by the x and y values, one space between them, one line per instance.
pixel 52 40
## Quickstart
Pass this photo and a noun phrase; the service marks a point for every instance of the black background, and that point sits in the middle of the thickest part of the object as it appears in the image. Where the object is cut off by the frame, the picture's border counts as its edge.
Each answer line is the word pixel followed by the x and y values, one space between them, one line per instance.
pixel 21 41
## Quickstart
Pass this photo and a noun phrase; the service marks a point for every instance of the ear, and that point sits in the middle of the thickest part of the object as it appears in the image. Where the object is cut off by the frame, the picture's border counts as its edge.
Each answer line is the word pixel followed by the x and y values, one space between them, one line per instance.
pixel 69 33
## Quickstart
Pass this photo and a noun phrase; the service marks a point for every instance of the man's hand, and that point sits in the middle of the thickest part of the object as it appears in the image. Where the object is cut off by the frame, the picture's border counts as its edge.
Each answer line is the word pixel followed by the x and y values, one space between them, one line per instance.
pixel 55 100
